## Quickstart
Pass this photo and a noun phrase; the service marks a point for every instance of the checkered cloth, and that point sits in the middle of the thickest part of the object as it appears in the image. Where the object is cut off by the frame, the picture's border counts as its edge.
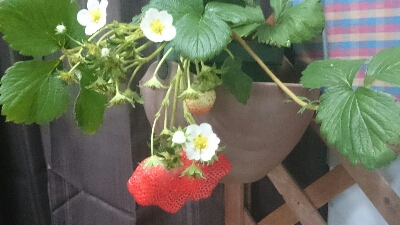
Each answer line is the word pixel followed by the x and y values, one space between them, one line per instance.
pixel 357 29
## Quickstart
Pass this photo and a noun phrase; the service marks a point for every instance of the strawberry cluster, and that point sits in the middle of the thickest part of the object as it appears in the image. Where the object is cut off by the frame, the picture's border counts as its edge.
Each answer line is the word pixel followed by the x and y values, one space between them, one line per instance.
pixel 153 183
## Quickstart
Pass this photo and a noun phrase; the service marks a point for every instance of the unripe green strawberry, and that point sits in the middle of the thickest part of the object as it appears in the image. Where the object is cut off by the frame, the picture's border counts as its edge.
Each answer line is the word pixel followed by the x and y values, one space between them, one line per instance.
pixel 202 104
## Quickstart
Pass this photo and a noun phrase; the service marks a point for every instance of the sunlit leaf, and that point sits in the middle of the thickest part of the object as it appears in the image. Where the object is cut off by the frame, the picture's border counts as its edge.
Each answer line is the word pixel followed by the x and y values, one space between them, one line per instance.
pixel 330 72
pixel 384 66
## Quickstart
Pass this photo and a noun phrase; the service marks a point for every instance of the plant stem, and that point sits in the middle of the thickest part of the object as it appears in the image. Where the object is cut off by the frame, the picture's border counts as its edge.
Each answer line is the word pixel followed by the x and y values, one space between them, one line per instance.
pixel 271 74
pixel 164 104
pixel 175 102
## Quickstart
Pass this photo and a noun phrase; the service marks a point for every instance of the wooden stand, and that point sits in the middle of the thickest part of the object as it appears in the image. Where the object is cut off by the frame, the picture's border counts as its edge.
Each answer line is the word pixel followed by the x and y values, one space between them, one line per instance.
pixel 301 205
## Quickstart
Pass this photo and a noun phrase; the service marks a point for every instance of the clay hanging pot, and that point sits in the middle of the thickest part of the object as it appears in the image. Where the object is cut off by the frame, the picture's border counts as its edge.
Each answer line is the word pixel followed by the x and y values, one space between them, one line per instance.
pixel 258 136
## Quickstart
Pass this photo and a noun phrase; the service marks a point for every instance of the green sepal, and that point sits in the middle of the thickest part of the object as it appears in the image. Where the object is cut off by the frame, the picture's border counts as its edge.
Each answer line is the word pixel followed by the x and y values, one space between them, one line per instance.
pixel 31 93
pixel 193 171
pixel 153 161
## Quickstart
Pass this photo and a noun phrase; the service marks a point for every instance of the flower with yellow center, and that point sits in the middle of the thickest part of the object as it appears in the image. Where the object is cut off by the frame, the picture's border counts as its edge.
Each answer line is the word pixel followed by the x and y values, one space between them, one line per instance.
pixel 94 17
pixel 201 143
pixel 157 25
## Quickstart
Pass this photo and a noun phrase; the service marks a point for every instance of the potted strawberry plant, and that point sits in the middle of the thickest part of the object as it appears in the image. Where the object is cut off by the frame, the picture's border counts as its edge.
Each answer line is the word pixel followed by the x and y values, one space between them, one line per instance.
pixel 190 150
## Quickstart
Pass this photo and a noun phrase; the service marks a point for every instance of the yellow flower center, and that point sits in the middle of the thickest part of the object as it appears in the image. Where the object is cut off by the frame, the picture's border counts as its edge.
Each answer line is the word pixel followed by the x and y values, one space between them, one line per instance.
pixel 200 142
pixel 156 26
pixel 96 15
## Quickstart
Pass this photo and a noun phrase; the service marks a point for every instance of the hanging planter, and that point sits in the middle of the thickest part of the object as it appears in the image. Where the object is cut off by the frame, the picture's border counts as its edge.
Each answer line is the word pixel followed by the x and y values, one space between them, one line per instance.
pixel 257 136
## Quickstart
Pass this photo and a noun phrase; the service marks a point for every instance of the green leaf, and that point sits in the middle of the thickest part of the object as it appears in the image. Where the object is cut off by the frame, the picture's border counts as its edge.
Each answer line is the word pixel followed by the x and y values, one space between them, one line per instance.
pixel 235 2
pixel 200 37
pixel 294 25
pixel 279 6
pixel 237 82
pixel 384 66
pixel 235 14
pixel 30 93
pixel 177 8
pixel 360 124
pixel 330 72
pixel 245 30
pixel 89 105
pixel 29 25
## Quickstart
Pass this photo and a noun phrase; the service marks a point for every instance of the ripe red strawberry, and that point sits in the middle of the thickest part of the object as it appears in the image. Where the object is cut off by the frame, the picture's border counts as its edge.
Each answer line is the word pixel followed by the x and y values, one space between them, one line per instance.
pixel 152 184
pixel 172 195
pixel 202 104
pixel 213 173
pixel 141 184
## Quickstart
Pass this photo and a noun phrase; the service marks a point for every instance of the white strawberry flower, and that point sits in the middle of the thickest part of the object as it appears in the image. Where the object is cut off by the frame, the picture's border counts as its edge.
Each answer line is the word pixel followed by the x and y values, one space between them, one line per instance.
pixel 60 29
pixel 157 25
pixel 105 52
pixel 201 143
pixel 179 137
pixel 94 17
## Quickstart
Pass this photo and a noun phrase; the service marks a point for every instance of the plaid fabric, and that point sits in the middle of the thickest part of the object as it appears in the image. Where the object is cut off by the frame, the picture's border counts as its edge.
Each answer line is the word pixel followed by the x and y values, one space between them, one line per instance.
pixel 360 29
pixel 356 29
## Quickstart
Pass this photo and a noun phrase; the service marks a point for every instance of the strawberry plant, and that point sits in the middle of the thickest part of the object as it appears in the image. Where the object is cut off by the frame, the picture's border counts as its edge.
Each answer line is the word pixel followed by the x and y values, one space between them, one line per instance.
pixel 102 59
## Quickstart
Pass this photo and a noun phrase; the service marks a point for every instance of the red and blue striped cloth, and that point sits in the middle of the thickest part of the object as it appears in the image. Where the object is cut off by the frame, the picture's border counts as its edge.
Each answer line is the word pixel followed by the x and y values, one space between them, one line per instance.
pixel 357 29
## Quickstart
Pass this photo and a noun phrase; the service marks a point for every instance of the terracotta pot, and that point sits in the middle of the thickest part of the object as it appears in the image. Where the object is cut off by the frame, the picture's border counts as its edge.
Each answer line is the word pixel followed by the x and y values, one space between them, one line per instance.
pixel 257 136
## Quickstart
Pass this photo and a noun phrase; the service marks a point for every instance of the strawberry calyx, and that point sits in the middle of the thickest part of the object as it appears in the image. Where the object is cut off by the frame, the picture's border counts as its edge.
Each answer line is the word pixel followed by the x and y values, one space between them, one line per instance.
pixel 189 93
pixel 152 161
pixel 193 171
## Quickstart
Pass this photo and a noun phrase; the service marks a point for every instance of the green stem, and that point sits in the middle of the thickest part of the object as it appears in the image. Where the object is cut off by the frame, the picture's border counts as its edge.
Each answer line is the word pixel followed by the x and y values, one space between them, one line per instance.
pixel 133 74
pixel 292 95
pixel 154 54
pixel 162 61
pixel 144 46
pixel 175 102
pixel 164 104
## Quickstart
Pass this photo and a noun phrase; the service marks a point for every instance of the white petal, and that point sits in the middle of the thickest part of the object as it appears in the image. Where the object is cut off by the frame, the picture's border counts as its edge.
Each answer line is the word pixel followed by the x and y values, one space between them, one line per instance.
pixel 83 17
pixel 152 13
pixel 103 5
pixel 91 29
pixel 193 131
pixel 92 5
pixel 179 137
pixel 102 21
pixel 207 155
pixel 213 139
pixel 169 33
pixel 206 129
pixel 192 154
pixel 166 18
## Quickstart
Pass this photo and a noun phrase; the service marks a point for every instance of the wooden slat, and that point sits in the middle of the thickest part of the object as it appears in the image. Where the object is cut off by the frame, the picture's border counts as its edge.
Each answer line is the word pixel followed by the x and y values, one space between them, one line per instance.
pixel 375 187
pixel 234 204
pixel 320 192
pixel 379 192
pixel 248 220
pixel 294 197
